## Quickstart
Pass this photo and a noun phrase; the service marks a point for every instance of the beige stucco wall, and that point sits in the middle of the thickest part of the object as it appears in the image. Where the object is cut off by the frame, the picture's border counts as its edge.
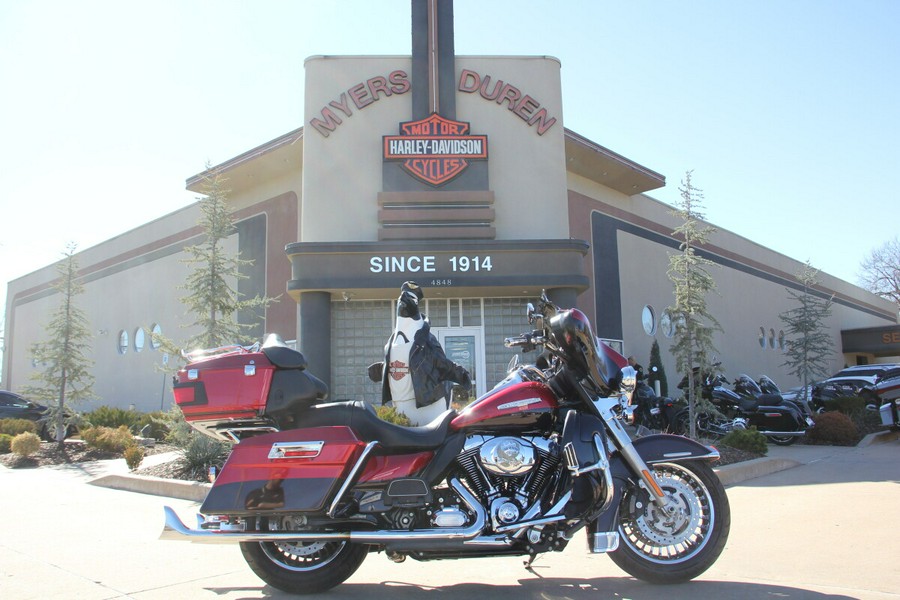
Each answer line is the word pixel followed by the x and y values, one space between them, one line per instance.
pixel 343 171
pixel 131 283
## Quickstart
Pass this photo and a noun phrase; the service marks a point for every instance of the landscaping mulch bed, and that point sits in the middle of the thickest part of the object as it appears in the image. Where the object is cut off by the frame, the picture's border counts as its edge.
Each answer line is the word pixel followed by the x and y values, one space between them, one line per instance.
pixel 72 452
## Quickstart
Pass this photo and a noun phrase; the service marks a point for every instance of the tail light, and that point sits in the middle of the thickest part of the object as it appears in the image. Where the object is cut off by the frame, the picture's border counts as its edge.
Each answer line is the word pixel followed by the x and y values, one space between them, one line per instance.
pixel 190 393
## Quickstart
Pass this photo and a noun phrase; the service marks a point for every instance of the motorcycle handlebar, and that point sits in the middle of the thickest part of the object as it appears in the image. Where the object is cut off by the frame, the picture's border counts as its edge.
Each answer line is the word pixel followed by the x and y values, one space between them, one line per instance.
pixel 527 341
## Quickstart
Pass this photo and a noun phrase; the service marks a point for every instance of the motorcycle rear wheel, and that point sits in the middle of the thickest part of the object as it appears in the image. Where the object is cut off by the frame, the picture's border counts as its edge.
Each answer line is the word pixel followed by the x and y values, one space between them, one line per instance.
pixel 783 440
pixel 304 567
pixel 663 549
pixel 704 422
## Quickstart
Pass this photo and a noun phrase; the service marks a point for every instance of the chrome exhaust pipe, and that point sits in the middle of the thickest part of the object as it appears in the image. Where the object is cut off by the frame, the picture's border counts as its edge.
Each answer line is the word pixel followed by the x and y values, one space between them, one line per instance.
pixel 785 433
pixel 175 529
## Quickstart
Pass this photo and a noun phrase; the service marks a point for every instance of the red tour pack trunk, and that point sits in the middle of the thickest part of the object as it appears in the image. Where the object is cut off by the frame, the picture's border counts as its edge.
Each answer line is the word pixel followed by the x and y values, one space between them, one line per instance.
pixel 241 392
pixel 222 390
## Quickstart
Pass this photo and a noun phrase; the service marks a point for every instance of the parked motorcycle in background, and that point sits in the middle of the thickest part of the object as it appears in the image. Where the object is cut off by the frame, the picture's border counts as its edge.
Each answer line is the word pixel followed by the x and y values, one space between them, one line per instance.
pixel 649 413
pixel 782 422
pixel 310 489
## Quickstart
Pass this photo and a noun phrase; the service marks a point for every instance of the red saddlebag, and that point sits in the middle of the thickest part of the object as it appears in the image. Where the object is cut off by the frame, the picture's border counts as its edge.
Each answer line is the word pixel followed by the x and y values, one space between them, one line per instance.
pixel 298 470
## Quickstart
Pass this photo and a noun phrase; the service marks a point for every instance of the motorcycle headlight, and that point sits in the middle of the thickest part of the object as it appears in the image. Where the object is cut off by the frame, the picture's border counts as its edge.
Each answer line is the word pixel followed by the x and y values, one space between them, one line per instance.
pixel 627 385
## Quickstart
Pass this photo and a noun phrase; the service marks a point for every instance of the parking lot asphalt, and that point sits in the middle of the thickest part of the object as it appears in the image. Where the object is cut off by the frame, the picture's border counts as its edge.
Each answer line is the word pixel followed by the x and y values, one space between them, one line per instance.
pixel 813 522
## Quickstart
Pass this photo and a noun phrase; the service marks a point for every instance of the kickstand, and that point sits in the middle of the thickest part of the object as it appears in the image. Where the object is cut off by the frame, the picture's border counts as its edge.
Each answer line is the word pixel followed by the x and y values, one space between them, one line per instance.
pixel 528 566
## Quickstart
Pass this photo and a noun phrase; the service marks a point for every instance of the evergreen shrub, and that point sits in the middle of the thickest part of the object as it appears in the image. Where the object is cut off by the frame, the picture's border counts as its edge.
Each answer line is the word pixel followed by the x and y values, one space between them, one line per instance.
pixel 392 415
pixel 16 426
pixel 107 438
pixel 749 440
pixel 25 444
pixel 201 453
pixel 133 456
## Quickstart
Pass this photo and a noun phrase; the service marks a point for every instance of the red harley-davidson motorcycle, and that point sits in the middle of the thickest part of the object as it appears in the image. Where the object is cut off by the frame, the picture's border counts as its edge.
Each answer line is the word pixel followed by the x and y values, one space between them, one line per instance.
pixel 311 488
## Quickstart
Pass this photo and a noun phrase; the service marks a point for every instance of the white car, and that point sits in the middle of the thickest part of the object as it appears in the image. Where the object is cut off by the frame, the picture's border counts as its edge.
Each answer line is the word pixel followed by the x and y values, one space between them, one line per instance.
pixel 888 392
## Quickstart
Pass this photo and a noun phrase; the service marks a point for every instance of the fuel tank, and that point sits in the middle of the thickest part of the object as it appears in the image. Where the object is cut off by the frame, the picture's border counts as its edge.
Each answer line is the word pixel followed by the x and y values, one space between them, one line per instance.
pixel 512 406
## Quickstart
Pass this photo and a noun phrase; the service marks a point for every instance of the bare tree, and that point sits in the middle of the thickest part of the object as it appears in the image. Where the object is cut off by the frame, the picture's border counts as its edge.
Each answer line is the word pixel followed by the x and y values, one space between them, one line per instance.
pixel 881 271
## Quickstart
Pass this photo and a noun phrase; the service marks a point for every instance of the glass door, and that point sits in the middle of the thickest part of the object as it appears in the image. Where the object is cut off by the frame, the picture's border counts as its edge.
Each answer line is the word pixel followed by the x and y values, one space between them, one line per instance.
pixel 465 347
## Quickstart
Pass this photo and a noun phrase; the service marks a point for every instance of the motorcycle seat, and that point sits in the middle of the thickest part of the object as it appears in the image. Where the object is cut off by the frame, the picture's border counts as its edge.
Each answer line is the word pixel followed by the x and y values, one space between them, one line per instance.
pixel 770 399
pixel 360 416
pixel 748 404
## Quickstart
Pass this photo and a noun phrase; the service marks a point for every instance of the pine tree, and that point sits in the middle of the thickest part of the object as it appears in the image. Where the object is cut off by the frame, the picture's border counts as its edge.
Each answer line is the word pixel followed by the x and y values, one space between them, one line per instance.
pixel 212 285
pixel 694 325
pixel 65 377
pixel 808 344
pixel 656 370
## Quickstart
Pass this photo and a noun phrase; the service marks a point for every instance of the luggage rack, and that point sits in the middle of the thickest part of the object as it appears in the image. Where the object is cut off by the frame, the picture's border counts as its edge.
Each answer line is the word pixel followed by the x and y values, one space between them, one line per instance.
pixel 194 355
pixel 235 431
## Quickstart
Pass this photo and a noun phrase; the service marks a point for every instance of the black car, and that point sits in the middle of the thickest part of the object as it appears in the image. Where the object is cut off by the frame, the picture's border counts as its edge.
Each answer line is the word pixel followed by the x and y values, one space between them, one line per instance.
pixel 14 406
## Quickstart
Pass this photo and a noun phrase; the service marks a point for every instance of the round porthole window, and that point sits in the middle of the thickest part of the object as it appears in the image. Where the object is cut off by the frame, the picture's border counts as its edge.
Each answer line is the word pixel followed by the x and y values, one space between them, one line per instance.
pixel 648 320
pixel 666 326
pixel 123 341
pixel 155 331
pixel 138 339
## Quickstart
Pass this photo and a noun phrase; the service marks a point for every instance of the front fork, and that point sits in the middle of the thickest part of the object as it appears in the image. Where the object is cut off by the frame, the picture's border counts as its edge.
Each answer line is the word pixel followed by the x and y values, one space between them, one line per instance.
pixel 623 442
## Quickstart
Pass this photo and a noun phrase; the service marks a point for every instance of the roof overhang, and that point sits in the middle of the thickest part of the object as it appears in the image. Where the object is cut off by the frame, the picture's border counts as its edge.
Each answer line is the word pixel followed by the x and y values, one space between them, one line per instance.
pixel 583 157
pixel 599 164
pixel 268 161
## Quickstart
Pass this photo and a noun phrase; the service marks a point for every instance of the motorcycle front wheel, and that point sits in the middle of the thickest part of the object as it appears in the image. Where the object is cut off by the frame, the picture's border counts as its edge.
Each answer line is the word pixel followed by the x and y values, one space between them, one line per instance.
pixel 681 542
pixel 303 567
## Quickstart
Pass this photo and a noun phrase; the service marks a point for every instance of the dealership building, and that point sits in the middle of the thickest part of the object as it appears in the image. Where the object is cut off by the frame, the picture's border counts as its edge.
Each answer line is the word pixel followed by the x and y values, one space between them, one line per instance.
pixel 453 171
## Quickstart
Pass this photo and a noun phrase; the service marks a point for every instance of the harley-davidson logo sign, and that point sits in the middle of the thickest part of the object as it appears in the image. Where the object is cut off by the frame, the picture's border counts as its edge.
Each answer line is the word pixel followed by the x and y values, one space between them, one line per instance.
pixel 398 370
pixel 435 149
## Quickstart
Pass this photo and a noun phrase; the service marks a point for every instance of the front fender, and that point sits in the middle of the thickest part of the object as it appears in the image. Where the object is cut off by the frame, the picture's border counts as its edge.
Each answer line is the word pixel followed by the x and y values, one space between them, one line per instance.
pixel 652 449
pixel 664 447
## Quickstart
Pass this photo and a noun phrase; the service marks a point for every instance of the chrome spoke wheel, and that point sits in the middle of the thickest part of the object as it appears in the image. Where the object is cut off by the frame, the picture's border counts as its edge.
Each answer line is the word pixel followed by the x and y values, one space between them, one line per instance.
pixel 678 532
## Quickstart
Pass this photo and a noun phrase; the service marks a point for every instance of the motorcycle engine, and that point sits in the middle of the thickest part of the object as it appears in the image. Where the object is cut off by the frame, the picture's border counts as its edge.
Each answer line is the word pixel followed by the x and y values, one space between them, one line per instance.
pixel 507 456
pixel 508 473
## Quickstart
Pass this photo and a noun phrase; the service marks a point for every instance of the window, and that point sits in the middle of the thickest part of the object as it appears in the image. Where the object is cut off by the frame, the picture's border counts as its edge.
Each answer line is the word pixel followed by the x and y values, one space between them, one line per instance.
pixel 155 331
pixel 762 337
pixel 138 339
pixel 665 325
pixel 123 341
pixel 648 320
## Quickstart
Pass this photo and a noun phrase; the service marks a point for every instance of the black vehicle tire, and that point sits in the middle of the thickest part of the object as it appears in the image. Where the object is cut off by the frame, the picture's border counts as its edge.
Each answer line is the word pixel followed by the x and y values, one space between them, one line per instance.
pixel 664 549
pixel 782 440
pixel 304 567
pixel 682 424
pixel 870 397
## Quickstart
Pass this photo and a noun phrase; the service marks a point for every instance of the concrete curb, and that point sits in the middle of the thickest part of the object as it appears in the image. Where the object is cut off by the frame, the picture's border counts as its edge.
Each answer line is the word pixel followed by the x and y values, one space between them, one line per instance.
pixel 157 486
pixel 750 469
pixel 880 437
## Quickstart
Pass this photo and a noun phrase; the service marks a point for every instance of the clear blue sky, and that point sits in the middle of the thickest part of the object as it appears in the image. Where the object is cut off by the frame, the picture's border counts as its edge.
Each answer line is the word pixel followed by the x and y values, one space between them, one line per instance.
pixel 786 110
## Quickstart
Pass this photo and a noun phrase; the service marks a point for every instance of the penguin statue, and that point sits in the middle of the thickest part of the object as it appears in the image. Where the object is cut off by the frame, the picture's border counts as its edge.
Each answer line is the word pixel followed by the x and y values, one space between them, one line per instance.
pixel 416 375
